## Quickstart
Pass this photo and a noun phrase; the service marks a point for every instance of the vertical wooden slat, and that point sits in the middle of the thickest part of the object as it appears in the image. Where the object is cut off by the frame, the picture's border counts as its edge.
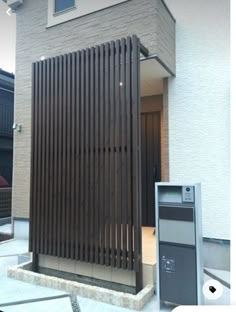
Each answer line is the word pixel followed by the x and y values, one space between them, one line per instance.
pixel 64 154
pixel 87 169
pixel 129 160
pixel 60 151
pixel 72 158
pixel 107 157
pixel 43 246
pixel 82 161
pixel 123 154
pixel 136 161
pixel 68 157
pixel 47 208
pixel 102 143
pixel 112 154
pixel 91 159
pixel 32 244
pixel 54 150
pixel 38 177
pixel 117 157
pixel 86 194
pixel 77 151
pixel 97 157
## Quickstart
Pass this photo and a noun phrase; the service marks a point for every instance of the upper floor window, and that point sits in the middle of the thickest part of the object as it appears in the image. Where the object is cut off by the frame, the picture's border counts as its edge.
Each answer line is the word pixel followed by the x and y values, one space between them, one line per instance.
pixel 63 5
pixel 61 11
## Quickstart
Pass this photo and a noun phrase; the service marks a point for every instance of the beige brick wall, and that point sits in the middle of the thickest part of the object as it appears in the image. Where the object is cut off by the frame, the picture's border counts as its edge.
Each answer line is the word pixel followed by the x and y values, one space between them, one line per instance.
pixel 149 20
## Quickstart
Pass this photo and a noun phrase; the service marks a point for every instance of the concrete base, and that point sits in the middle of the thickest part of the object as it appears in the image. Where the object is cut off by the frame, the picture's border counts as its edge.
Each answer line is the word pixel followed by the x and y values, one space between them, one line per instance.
pixel 121 299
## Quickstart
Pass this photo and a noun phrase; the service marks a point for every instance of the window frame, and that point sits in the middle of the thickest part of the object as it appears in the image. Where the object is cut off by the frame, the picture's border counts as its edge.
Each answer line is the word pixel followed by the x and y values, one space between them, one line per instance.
pixel 55 13
pixel 77 11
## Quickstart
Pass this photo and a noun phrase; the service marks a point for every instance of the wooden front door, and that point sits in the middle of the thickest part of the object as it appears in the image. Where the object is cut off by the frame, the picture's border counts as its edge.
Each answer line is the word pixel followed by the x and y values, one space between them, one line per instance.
pixel 151 164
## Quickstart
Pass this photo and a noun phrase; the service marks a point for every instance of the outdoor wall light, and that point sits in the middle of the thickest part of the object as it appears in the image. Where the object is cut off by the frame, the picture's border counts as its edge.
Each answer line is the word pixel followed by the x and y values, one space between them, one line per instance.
pixel 121 84
pixel 17 127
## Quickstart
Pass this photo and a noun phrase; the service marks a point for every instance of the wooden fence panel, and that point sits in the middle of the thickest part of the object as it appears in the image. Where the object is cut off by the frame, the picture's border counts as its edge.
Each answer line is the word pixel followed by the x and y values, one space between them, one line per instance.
pixel 85 173
pixel 5 202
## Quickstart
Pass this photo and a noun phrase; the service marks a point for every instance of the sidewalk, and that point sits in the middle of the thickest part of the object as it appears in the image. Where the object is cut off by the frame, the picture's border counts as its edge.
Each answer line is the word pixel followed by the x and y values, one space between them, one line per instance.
pixel 12 291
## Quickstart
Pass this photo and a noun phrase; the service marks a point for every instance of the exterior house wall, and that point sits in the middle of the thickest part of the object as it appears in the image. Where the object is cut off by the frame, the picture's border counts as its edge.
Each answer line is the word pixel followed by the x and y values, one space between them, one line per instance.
pixel 199 108
pixel 82 7
pixel 149 20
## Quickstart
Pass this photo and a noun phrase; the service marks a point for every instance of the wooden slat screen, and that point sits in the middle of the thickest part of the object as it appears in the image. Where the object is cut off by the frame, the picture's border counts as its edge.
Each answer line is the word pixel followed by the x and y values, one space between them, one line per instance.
pixel 85 181
pixel 5 202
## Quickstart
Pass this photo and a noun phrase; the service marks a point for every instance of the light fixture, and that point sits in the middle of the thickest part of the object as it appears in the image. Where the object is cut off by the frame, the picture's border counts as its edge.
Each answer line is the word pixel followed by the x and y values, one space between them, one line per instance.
pixel 121 84
pixel 17 127
pixel 42 58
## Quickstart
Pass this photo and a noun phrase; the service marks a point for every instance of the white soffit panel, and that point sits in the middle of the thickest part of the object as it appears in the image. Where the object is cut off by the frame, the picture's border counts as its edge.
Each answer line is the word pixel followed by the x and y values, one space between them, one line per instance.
pixel 151 75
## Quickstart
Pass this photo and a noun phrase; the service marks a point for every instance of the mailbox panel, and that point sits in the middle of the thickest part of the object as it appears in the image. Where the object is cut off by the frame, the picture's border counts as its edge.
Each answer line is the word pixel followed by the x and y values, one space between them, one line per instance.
pixel 178 285
pixel 179 243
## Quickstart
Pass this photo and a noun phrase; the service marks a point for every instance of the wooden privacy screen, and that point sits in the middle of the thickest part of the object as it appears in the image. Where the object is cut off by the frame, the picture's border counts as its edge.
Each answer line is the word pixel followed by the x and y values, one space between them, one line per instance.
pixel 85 182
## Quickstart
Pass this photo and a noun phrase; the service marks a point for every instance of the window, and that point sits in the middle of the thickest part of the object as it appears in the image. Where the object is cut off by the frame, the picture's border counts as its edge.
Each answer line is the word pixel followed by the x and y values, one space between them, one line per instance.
pixel 62 5
pixel 61 11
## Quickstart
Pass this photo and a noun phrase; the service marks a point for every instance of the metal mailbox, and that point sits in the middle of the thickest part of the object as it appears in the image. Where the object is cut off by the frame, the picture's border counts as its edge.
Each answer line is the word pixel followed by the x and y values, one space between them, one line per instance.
pixel 179 243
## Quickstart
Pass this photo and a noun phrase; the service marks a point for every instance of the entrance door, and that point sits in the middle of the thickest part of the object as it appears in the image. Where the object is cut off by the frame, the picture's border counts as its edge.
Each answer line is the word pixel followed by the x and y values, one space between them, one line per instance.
pixel 151 164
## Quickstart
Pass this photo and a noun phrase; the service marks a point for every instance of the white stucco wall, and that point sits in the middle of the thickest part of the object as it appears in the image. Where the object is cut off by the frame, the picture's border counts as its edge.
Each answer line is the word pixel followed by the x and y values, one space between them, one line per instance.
pixel 199 107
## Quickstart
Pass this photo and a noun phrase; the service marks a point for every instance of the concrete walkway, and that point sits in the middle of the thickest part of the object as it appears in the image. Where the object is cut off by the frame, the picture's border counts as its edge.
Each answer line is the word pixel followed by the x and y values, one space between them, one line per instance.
pixel 13 291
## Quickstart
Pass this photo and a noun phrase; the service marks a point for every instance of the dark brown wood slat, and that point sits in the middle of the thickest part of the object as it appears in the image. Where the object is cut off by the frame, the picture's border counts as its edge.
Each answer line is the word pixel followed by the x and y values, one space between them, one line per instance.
pixel 123 154
pixel 117 155
pixel 35 123
pixel 60 151
pixel 97 157
pixel 72 158
pixel 32 245
pixel 112 154
pixel 136 162
pixel 47 241
pixel 77 151
pixel 39 168
pixel 82 160
pixel 102 143
pixel 135 147
pixel 91 159
pixel 49 152
pixel 68 108
pixel 64 156
pixel 129 161
pixel 139 275
pixel 43 243
pixel 87 169
pixel 107 157
pixel 134 153
pixel 54 151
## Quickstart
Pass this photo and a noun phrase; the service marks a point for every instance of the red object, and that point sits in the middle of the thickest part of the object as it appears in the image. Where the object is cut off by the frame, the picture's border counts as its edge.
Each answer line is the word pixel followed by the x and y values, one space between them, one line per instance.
pixel 3 182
